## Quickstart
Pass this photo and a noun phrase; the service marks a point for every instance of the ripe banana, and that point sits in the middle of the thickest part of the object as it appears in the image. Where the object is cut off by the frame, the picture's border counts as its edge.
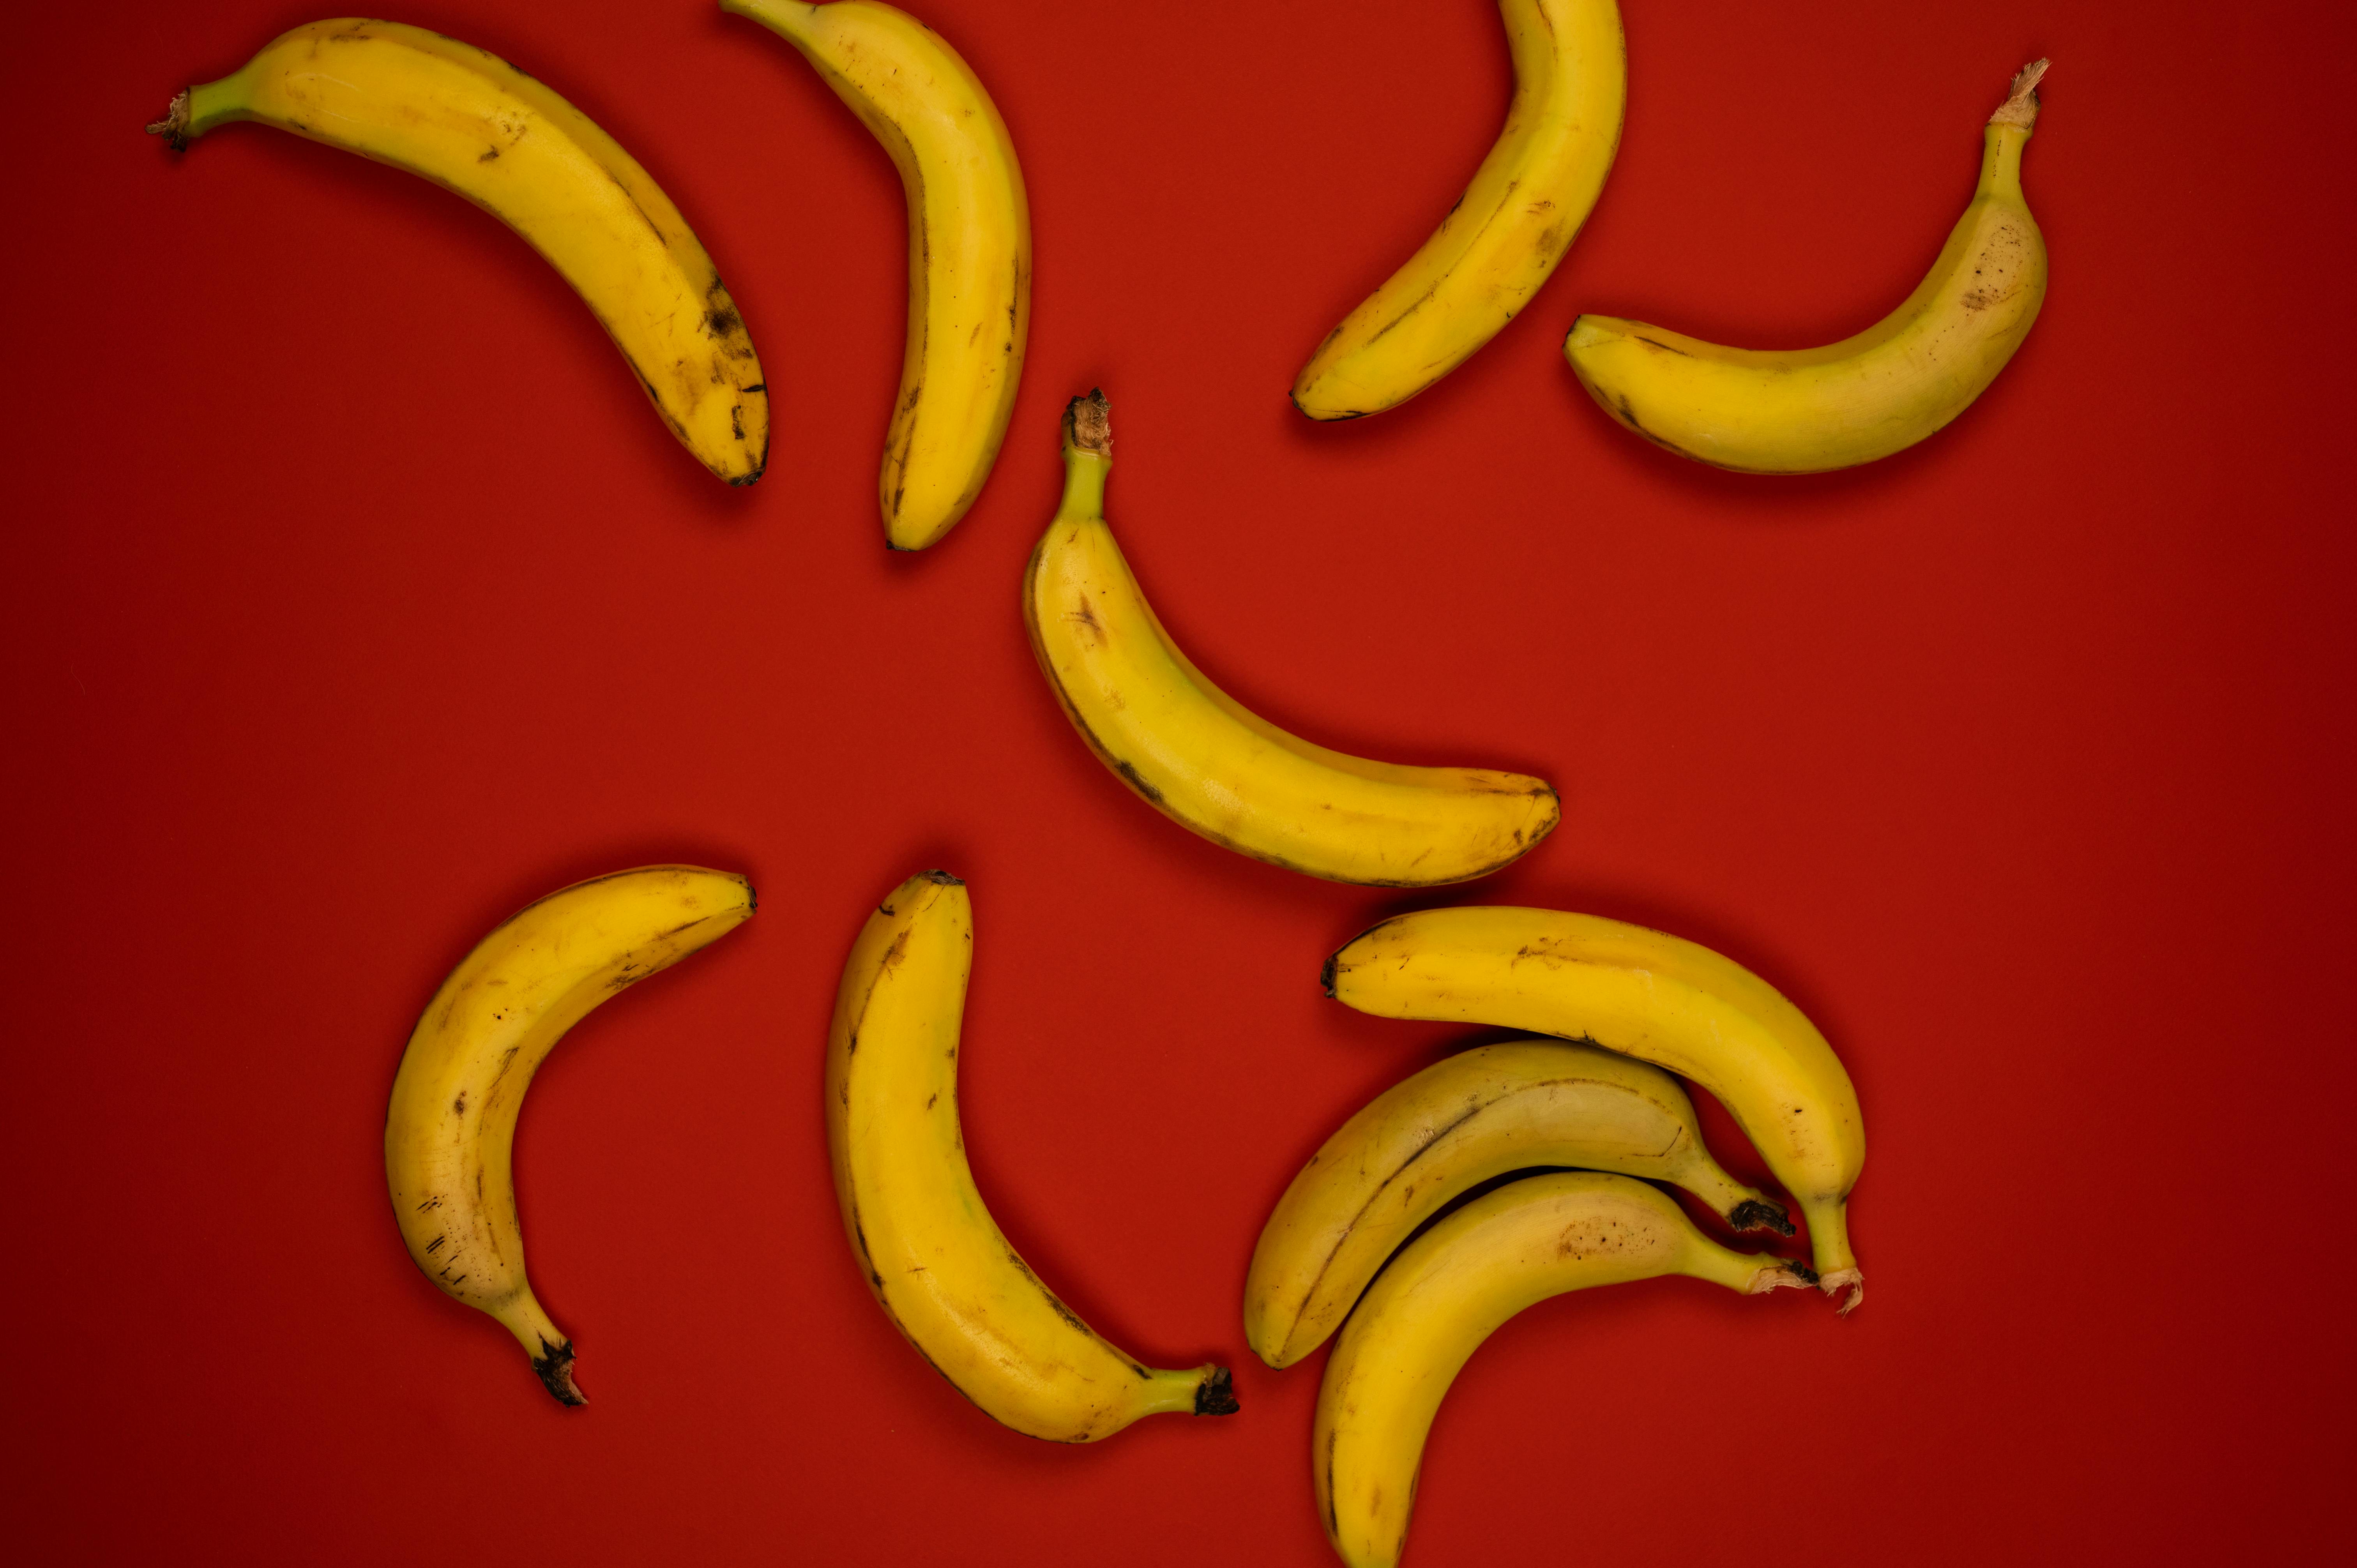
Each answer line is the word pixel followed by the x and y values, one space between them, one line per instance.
pixel 450 1130
pixel 1452 1288
pixel 1506 233
pixel 473 124
pixel 1208 763
pixel 1421 1144
pixel 937 1261
pixel 969 248
pixel 1807 410
pixel 1671 1003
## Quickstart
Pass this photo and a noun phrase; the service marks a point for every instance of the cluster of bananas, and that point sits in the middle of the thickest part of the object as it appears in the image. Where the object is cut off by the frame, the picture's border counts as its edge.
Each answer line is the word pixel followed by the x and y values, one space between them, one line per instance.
pixel 1374 1239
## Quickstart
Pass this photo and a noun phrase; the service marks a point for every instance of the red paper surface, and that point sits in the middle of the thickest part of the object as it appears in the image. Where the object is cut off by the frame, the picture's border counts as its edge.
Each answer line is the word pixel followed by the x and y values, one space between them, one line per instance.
pixel 357 597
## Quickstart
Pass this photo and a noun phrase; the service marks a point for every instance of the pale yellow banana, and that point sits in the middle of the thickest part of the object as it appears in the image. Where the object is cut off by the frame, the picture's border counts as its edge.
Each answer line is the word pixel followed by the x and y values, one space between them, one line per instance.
pixel 473 124
pixel 939 1265
pixel 1669 1001
pixel 1807 410
pixel 969 248
pixel 1449 1290
pixel 1210 764
pixel 450 1129
pixel 1506 233
pixel 1433 1137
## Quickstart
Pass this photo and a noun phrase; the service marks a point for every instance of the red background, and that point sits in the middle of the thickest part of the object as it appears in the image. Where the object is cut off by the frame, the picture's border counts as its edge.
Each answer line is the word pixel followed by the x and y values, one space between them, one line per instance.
pixel 356 598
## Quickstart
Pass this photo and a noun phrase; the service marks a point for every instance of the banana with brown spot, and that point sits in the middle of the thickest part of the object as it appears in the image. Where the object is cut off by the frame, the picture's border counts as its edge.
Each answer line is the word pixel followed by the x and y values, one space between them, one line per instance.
pixel 969 248
pixel 1449 1290
pixel 1425 1141
pixel 473 124
pixel 1649 996
pixel 1804 411
pixel 937 1263
pixel 1211 764
pixel 449 1131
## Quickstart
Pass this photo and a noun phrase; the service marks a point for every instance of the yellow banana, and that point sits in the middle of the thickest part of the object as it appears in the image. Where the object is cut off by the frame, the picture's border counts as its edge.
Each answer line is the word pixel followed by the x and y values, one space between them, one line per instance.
pixel 937 1261
pixel 1424 1142
pixel 1807 410
pixel 1506 233
pixel 1671 1003
pixel 450 1129
pixel 473 124
pixel 1210 764
pixel 969 248
pixel 1449 1290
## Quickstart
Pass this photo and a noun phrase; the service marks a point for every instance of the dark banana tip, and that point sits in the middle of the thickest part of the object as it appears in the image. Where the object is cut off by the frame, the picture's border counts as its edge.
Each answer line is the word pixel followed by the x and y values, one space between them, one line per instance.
pixel 943 878
pixel 1807 1275
pixel 554 1365
pixel 1326 973
pixel 1759 1214
pixel 1216 1395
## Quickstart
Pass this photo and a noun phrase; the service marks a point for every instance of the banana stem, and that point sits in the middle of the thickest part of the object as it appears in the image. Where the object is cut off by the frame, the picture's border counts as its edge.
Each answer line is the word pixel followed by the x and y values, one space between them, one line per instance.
pixel 551 1351
pixel 1088 456
pixel 174 125
pixel 1200 1390
pixel 2020 108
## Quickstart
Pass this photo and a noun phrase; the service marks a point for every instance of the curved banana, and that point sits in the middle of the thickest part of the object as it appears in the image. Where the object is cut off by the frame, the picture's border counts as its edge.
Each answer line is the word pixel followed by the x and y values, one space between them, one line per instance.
pixel 473 124
pixel 1424 1142
pixel 450 1129
pixel 1208 763
pixel 969 248
pixel 1506 233
pixel 1808 410
pixel 1671 1003
pixel 1449 1290
pixel 939 1265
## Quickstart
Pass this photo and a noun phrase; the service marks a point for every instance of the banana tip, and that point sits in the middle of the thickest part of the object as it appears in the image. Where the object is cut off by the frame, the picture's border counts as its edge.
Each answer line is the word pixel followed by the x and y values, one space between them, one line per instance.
pixel 1850 1280
pixel 554 1365
pixel 1755 1213
pixel 1216 1394
pixel 1326 973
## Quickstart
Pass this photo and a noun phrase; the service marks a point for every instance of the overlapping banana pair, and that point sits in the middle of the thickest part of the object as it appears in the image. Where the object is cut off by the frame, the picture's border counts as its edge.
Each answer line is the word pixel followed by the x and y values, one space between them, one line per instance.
pixel 1590 983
